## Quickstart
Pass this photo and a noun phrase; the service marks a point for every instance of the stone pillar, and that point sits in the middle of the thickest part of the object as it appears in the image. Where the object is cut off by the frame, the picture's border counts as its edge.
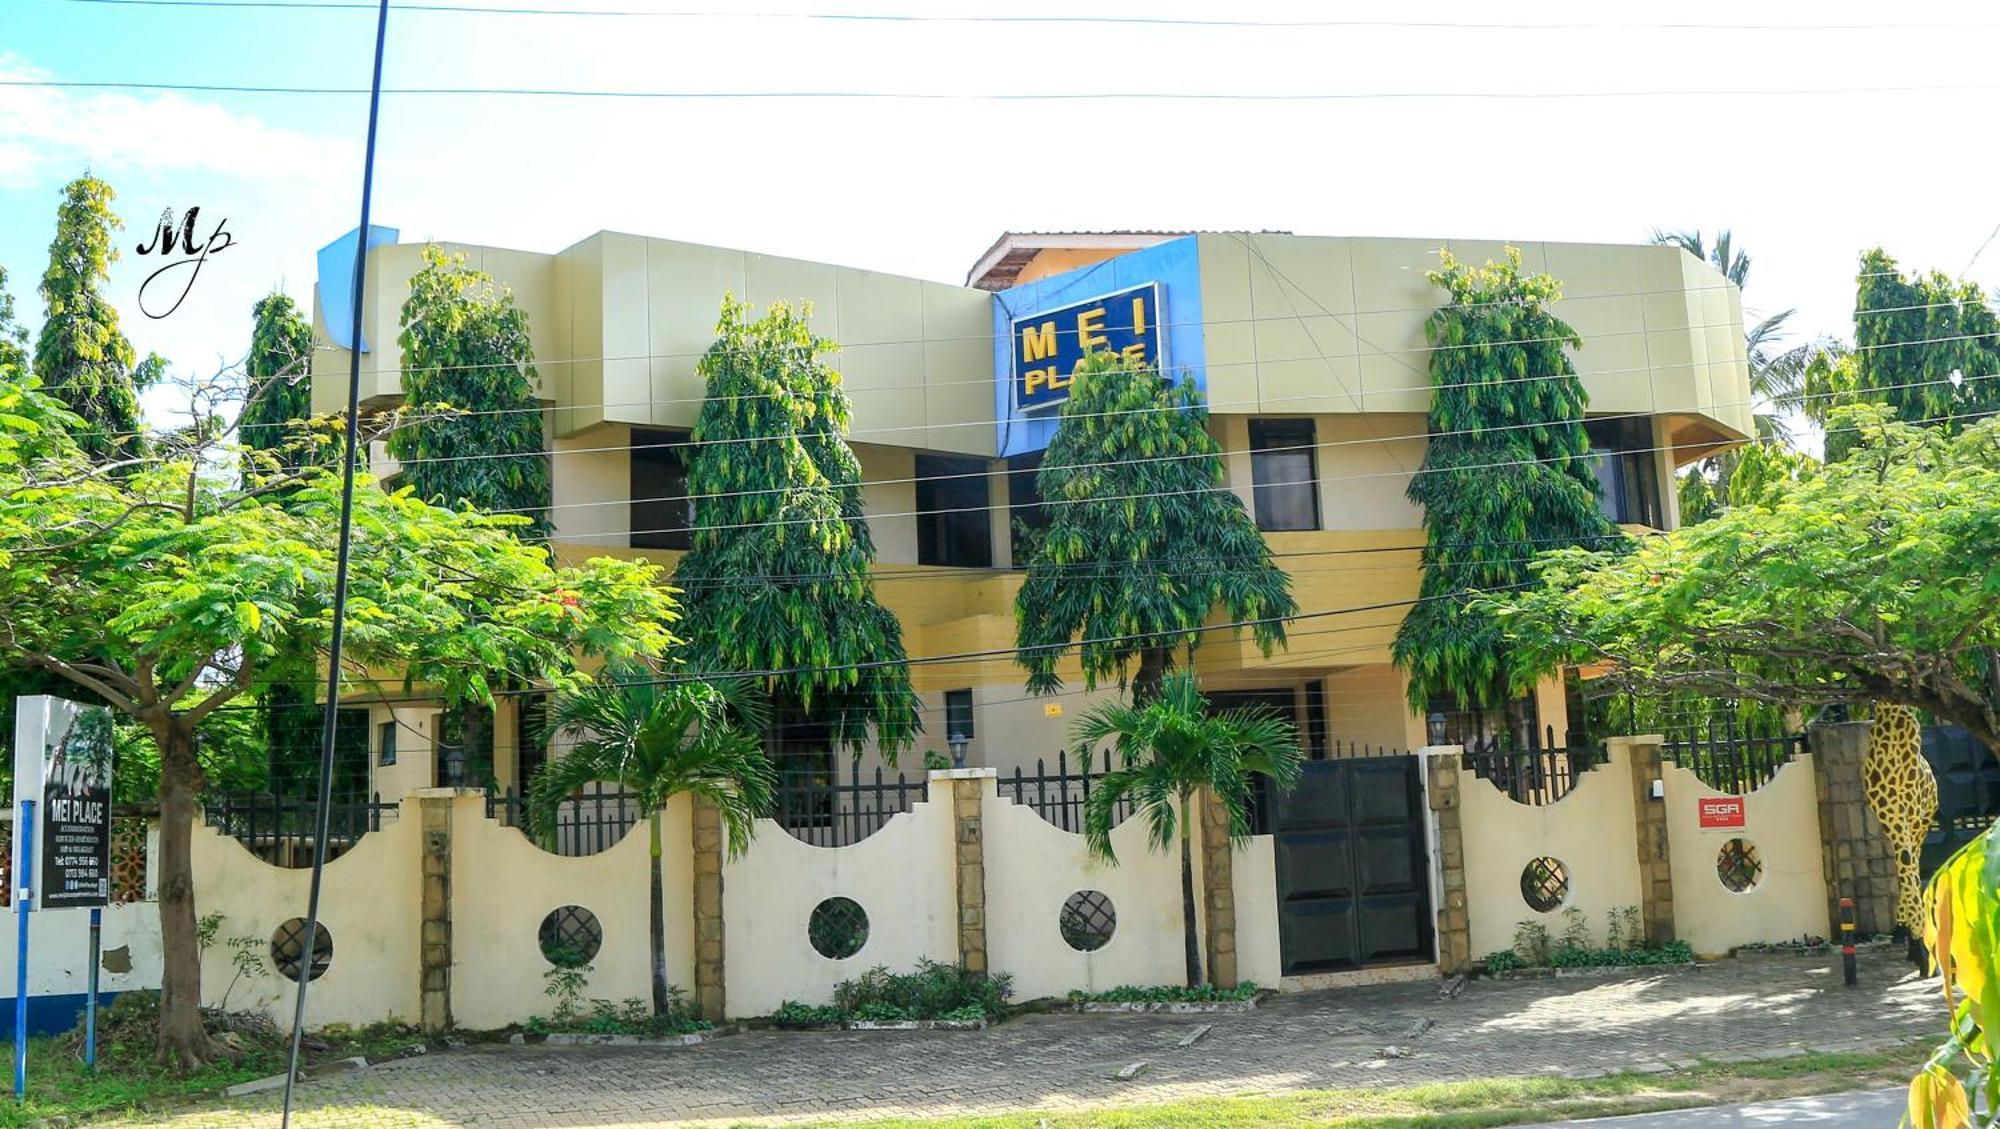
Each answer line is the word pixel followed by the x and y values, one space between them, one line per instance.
pixel 1454 924
pixel 1218 890
pixel 434 929
pixel 967 789
pixel 1857 858
pixel 709 970
pixel 1656 874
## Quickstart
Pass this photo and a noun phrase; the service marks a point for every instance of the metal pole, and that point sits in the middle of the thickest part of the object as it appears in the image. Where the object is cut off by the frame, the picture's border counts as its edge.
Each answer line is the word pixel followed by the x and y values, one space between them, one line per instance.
pixel 1848 973
pixel 24 834
pixel 90 1000
pixel 329 727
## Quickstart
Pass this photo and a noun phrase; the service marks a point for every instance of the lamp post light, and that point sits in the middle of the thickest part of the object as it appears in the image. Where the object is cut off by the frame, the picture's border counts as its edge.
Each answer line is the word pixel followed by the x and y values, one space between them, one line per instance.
pixel 1435 726
pixel 958 743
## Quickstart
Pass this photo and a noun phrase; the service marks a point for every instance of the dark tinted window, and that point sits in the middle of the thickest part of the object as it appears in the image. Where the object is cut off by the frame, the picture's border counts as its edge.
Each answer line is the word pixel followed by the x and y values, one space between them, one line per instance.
pixel 385 743
pixel 953 523
pixel 958 713
pixel 661 513
pixel 1627 475
pixel 1026 515
pixel 1283 475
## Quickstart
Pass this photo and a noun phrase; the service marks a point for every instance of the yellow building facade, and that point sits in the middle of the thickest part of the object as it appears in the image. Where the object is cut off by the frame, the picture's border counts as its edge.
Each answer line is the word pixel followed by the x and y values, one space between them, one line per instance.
pixel 1311 351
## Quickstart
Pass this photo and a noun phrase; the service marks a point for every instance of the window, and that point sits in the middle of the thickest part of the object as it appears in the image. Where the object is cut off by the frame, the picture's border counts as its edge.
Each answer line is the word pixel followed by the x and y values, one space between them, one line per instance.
pixel 1316 719
pixel 958 714
pixel 661 512
pixel 1627 475
pixel 385 743
pixel 1027 516
pixel 465 746
pixel 1282 473
pixel 953 523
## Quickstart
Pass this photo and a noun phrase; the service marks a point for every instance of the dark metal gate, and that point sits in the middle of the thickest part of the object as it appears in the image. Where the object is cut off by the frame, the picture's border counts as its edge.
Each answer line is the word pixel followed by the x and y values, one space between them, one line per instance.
pixel 1353 873
pixel 1968 777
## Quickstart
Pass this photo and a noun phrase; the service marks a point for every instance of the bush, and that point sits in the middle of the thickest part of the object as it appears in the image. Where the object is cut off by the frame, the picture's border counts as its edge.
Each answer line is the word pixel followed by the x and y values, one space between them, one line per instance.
pixel 933 991
pixel 1506 960
pixel 1166 994
pixel 630 1017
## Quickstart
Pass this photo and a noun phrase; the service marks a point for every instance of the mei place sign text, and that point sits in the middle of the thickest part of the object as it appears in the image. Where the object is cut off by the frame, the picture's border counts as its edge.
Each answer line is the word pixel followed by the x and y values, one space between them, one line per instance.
pixel 1049 345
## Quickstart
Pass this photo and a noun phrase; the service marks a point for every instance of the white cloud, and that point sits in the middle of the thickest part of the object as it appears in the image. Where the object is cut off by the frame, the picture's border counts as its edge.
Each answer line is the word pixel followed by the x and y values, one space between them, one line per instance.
pixel 158 133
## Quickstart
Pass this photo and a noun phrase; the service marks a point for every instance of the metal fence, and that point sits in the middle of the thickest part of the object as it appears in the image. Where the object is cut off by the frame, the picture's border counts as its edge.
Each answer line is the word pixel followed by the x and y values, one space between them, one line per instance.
pixel 1540 773
pixel 279 828
pixel 1732 760
pixel 817 808
pixel 1061 796
pixel 593 820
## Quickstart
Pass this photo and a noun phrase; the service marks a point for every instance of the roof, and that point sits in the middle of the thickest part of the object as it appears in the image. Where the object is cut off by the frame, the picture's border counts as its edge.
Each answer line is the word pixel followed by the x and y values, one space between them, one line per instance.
pixel 1014 250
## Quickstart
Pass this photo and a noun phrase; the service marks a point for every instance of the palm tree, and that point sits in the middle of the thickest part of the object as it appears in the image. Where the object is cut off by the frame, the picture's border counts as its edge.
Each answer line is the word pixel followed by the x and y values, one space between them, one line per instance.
pixel 1170 748
pixel 657 738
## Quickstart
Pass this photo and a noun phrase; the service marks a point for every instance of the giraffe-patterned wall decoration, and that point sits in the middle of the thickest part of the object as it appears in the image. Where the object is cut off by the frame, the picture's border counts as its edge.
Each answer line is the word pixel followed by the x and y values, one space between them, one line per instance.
pixel 1904 796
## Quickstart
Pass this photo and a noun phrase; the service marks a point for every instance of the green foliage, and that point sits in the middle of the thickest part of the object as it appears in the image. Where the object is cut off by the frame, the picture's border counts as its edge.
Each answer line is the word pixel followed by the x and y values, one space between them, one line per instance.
pixel 1873 578
pixel 1624 945
pixel 13 336
pixel 1506 471
pixel 777 577
pixel 657 735
pixel 932 991
pixel 1168 751
pixel 1532 942
pixel 796 1016
pixel 1962 932
pixel 1576 930
pixel 564 982
pixel 1166 994
pixel 469 375
pixel 1143 540
pixel 1506 960
pixel 274 424
pixel 81 356
pixel 1928 346
pixel 1698 502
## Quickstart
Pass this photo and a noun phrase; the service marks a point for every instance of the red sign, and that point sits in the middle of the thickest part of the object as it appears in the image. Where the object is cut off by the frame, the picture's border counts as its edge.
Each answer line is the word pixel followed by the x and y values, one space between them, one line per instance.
pixel 1721 813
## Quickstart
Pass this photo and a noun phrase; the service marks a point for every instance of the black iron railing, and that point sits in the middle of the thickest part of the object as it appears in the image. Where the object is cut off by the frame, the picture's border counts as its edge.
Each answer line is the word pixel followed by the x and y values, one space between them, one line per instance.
pixel 279 828
pixel 1061 796
pixel 1730 759
pixel 1540 772
pixel 817 808
pixel 590 821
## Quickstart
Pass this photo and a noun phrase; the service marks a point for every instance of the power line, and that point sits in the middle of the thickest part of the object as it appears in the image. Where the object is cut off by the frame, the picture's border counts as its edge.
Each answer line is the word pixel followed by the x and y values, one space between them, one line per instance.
pixel 1014 96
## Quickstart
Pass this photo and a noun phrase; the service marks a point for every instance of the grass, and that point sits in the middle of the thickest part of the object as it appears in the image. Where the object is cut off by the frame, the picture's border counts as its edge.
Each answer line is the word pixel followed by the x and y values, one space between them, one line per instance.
pixel 1479 1103
pixel 127 1079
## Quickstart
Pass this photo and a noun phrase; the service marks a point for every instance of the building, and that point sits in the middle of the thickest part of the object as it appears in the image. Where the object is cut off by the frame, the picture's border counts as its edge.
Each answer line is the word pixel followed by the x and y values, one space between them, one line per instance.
pixel 1311 350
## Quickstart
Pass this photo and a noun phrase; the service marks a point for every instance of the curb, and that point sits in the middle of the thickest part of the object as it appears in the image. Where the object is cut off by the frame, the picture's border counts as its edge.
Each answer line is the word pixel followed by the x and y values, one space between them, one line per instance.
pixel 1589 971
pixel 1170 1007
pixel 577 1039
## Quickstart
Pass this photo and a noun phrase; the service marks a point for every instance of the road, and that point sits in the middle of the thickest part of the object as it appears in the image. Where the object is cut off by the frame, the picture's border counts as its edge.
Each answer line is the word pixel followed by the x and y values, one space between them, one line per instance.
pixel 1866 1109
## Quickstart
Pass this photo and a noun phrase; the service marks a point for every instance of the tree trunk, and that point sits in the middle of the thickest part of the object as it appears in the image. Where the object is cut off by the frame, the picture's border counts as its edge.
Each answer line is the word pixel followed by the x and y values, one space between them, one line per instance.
pixel 657 923
pixel 1152 669
pixel 1193 937
pixel 182 1042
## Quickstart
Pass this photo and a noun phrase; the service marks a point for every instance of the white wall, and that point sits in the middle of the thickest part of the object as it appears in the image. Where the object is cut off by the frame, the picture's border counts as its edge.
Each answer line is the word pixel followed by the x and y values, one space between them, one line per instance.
pixel 1781 820
pixel 902 876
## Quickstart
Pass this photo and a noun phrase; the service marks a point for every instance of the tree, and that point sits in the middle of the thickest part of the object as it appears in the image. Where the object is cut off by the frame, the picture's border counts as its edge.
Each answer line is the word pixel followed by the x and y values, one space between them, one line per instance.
pixel 13 336
pixel 1170 749
pixel 1873 578
pixel 1143 539
pixel 81 356
pixel 467 359
pixel 1507 472
pixel 658 736
pixel 168 591
pixel 1927 346
pixel 279 401
pixel 776 578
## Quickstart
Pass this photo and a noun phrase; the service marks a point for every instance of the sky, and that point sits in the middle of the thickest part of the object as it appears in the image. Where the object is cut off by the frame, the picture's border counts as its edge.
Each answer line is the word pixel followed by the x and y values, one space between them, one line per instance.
pixel 1813 130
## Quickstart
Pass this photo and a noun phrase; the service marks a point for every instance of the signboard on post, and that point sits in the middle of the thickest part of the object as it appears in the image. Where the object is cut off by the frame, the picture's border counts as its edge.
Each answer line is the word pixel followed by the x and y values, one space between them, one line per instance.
pixel 62 761
pixel 1720 813
pixel 1049 345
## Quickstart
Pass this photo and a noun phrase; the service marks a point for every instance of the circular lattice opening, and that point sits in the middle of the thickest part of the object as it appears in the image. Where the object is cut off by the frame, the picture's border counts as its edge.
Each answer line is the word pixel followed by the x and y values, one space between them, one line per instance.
pixel 1738 866
pixel 288 948
pixel 570 937
pixel 1088 920
pixel 838 929
pixel 1544 884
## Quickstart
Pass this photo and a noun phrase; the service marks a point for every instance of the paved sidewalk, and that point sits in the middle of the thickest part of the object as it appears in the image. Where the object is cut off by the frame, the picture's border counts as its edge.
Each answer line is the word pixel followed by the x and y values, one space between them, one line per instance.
pixel 1641 1019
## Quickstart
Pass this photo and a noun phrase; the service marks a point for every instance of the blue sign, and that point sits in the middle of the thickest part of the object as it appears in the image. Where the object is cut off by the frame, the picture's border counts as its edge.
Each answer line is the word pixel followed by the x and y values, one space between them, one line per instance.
pixel 1048 346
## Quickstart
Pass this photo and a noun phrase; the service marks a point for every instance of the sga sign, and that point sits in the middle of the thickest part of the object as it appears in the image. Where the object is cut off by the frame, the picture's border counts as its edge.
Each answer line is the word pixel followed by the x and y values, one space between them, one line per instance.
pixel 1720 813
pixel 62 761
pixel 1049 345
